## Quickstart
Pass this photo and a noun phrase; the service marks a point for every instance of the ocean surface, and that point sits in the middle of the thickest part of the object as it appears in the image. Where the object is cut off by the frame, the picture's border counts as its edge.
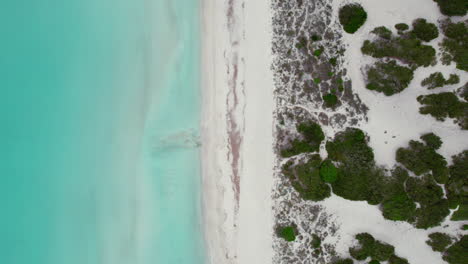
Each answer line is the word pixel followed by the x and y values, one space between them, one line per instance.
pixel 99 123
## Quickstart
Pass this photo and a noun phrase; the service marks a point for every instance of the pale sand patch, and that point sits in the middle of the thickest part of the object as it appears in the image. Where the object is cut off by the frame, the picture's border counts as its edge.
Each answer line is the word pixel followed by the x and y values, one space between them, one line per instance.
pixel 237 137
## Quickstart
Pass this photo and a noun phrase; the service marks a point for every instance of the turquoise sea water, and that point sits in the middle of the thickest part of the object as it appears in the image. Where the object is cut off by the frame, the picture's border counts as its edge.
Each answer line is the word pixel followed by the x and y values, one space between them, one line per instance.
pixel 99 114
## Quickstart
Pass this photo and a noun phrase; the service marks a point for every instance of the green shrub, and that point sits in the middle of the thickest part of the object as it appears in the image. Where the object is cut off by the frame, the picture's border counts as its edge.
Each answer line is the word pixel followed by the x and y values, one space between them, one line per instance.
pixel 317 80
pixel 358 178
pixel 397 260
pixel 439 241
pixel 455 44
pixel 424 31
pixel 457 186
pixel 452 7
pixel 306 180
pixel 316 241
pixel 374 262
pixel 399 207
pixel 458 252
pixel 432 140
pixel 431 215
pixel 424 190
pixel 421 158
pixel 312 135
pixel 315 37
pixel 444 105
pixel 344 261
pixel 382 32
pixel 318 52
pixel 406 49
pixel 436 80
pixel 352 17
pixel 401 26
pixel 328 171
pixel 388 77
pixel 369 247
pixel 287 233
pixel 330 100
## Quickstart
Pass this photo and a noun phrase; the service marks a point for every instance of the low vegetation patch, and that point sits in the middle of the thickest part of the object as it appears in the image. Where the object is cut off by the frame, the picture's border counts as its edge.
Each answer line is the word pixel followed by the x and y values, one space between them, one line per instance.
pixel 437 80
pixel 330 100
pixel 328 171
pixel 445 105
pixel 306 180
pixel 458 252
pixel 375 249
pixel 407 48
pixel 452 7
pixel 311 137
pixel 455 44
pixel 287 233
pixel 352 17
pixel 439 241
pixel 424 31
pixel 358 177
pixel 388 77
pixel 422 158
pixel 401 27
pixel 457 186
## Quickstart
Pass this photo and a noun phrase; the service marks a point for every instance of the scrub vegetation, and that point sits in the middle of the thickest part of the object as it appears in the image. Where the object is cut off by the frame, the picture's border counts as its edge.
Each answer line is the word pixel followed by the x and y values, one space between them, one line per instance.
pixel 310 140
pixel 352 17
pixel 439 241
pixel 455 44
pixel 375 249
pixel 306 179
pixel 388 77
pixel 437 80
pixel 445 105
pixel 452 7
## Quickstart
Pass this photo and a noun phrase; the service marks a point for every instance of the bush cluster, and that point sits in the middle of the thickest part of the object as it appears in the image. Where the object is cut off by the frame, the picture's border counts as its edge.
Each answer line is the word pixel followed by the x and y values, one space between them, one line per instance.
pixel 344 261
pixel 287 233
pixel 422 158
pixel 433 207
pixel 457 186
pixel 330 100
pixel 445 105
pixel 375 249
pixel 437 80
pixel 458 252
pixel 397 205
pixel 358 178
pixel 316 241
pixel 352 17
pixel 439 241
pixel 406 48
pixel 388 77
pixel 328 171
pixel 455 44
pixel 401 27
pixel 452 7
pixel 306 180
pixel 424 31
pixel 312 136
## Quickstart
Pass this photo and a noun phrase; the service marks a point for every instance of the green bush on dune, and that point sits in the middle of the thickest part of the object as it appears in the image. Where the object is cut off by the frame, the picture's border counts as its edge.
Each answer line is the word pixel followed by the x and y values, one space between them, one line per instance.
pixel 352 17
pixel 452 7
pixel 288 233
pixel 306 180
pixel 437 80
pixel 439 241
pixel 388 77
pixel 424 31
pixel 445 105
pixel 458 252
pixel 455 44
pixel 311 138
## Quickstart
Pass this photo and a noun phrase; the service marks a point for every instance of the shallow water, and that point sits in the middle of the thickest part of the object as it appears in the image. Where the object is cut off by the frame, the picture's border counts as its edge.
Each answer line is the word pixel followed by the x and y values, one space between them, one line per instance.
pixel 99 111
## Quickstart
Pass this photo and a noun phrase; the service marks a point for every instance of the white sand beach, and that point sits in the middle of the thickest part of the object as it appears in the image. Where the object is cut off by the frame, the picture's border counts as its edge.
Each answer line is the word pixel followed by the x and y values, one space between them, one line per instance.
pixel 237 131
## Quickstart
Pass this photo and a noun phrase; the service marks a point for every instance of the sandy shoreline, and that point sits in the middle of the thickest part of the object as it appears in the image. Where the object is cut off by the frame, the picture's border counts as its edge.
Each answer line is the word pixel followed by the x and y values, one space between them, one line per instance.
pixel 237 137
